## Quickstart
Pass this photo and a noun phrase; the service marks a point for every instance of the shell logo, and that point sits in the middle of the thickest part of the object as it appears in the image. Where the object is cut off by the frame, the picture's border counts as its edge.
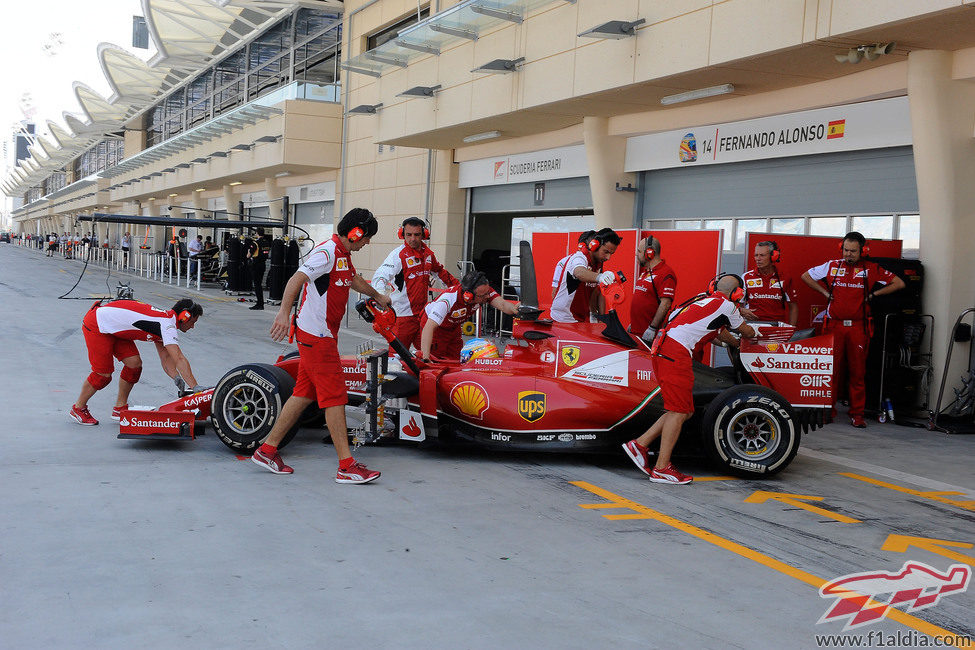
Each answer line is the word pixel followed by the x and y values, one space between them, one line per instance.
pixel 470 399
pixel 772 347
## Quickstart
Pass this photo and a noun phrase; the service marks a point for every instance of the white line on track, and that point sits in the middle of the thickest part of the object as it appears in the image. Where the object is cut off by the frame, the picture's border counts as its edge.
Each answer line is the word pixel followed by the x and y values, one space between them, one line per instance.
pixel 889 473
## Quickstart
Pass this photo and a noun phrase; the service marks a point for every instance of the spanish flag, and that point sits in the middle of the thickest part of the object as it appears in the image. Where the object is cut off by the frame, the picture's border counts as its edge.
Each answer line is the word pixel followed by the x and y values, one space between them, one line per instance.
pixel 835 129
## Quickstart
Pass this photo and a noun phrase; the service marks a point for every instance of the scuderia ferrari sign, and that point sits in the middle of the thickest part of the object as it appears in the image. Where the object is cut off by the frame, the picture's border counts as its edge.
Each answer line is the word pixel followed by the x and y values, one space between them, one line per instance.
pixel 852 127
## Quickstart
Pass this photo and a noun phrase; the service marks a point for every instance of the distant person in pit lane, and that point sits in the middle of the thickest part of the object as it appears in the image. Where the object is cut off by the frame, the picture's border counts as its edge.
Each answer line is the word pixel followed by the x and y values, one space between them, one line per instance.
pixel 111 330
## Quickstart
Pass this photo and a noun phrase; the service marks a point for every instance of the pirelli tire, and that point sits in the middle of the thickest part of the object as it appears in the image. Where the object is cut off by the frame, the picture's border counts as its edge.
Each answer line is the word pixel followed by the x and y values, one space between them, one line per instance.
pixel 750 431
pixel 247 401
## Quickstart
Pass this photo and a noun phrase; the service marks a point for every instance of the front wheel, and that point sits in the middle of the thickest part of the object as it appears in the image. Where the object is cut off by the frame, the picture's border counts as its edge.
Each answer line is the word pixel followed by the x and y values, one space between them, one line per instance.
pixel 750 430
pixel 247 402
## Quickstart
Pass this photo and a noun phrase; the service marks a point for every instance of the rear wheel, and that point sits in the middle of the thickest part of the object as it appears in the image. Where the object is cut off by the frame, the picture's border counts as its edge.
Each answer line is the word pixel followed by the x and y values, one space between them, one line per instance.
pixel 750 430
pixel 247 402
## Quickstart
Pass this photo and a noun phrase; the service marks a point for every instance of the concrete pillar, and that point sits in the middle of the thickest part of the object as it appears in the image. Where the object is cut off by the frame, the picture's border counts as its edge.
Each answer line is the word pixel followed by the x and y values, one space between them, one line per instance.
pixel 275 205
pixel 158 233
pixel 942 111
pixel 605 155
pixel 231 200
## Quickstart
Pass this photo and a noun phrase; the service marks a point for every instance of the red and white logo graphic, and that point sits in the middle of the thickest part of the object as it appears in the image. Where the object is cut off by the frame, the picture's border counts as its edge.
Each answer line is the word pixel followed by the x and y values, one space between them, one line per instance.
pixel 500 170
pixel 411 429
pixel 757 363
pixel 411 426
pixel 864 598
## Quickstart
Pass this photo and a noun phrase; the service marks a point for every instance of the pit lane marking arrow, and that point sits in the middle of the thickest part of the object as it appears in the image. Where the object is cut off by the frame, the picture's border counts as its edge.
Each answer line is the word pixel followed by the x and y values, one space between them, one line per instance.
pixel 640 511
pixel 796 501
pixel 940 496
pixel 900 544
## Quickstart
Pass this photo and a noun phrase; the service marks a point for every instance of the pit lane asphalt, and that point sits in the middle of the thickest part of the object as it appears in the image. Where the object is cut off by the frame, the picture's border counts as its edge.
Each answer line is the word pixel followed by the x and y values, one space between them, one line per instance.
pixel 115 543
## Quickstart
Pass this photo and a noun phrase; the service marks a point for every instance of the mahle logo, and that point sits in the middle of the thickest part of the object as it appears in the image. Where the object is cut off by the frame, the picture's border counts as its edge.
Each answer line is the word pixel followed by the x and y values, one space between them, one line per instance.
pixel 531 405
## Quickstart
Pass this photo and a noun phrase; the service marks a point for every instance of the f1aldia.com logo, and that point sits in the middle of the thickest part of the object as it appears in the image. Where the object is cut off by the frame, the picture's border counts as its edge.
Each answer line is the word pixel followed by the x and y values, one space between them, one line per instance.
pixel 865 598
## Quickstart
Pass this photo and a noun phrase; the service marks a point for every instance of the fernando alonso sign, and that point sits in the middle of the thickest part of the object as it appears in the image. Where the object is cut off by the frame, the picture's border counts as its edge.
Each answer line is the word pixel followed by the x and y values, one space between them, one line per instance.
pixel 869 125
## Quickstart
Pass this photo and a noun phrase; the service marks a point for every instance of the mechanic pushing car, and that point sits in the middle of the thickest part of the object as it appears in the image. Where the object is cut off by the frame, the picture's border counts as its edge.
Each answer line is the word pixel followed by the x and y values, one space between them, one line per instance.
pixel 769 295
pixel 653 292
pixel 848 289
pixel 324 281
pixel 407 272
pixel 111 330
pixel 575 299
pixel 704 318
pixel 443 318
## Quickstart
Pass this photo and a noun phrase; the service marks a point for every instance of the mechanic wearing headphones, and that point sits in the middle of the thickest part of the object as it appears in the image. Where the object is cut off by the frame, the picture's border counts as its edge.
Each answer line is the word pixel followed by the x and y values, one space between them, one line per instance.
pixel 406 272
pixel 443 318
pixel 111 330
pixel 847 289
pixel 769 295
pixel 324 281
pixel 575 300
pixel 653 292
pixel 702 319
pixel 560 265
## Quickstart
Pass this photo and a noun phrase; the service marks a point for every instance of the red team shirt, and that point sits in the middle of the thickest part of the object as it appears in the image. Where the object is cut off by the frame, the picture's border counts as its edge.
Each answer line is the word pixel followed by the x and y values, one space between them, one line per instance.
pixel 657 283
pixel 408 271
pixel 849 284
pixel 325 296
pixel 571 301
pixel 449 311
pixel 769 295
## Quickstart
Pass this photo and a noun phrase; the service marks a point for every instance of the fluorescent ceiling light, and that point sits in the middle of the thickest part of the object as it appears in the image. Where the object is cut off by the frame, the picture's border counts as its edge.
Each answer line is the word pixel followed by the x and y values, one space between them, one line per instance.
pixel 236 183
pixel 615 29
pixel 500 66
pixel 487 135
pixel 200 189
pixel 700 93
pixel 420 91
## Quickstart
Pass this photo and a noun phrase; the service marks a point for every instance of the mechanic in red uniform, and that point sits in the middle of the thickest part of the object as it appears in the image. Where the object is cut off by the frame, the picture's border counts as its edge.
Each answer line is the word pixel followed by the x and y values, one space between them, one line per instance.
pixel 575 298
pixel 560 265
pixel 443 318
pixel 769 295
pixel 111 330
pixel 324 281
pixel 847 284
pixel 407 272
pixel 653 292
pixel 703 319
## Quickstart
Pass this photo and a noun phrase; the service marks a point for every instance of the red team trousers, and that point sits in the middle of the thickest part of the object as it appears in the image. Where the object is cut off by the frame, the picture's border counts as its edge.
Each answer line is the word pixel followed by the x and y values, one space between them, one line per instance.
pixel 850 344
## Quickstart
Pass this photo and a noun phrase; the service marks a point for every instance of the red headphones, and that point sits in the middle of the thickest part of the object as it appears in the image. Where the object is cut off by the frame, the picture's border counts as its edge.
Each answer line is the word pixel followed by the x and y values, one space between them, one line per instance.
pixel 184 315
pixel 648 253
pixel 864 246
pixel 736 295
pixel 424 235
pixel 355 234
pixel 594 245
pixel 774 255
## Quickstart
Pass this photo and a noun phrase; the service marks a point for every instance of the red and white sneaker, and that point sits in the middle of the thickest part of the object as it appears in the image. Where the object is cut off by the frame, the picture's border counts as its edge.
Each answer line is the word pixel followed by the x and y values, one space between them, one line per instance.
pixel 356 473
pixel 117 412
pixel 271 463
pixel 82 416
pixel 639 455
pixel 669 474
pixel 858 422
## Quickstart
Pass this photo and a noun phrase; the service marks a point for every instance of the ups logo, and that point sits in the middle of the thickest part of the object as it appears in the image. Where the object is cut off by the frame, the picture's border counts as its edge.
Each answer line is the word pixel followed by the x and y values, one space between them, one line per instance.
pixel 531 405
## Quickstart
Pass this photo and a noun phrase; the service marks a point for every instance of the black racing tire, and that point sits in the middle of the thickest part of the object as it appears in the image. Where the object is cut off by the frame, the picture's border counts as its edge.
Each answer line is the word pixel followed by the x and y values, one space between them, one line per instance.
pixel 246 403
pixel 750 431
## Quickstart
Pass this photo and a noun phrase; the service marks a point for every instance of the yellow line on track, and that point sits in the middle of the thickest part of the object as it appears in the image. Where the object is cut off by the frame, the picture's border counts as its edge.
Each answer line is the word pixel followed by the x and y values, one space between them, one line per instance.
pixel 939 496
pixel 641 511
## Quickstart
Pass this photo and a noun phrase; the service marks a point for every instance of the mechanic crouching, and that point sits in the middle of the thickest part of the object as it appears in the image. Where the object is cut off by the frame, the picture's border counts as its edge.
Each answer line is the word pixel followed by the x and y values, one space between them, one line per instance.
pixel 111 330
pixel 324 281
pixel 443 318
pixel 699 321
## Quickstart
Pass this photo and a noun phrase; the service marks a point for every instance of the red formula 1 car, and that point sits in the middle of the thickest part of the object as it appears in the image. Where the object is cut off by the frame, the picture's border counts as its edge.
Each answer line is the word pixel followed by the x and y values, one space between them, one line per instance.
pixel 557 387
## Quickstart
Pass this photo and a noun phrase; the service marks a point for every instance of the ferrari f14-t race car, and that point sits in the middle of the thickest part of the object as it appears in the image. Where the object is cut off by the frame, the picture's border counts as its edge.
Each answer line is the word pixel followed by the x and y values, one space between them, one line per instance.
pixel 556 387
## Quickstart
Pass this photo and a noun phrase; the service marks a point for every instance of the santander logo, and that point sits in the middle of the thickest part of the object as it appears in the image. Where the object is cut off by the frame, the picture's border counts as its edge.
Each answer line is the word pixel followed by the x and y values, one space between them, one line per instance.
pixel 757 363
pixel 411 429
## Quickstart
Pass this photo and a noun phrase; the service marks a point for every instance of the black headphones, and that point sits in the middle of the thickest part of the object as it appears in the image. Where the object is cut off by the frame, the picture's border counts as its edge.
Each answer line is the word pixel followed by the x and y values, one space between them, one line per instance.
pixel 414 221
pixel 736 295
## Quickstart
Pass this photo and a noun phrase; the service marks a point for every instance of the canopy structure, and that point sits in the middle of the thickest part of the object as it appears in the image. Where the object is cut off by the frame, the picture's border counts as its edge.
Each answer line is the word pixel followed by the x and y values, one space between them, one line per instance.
pixel 139 220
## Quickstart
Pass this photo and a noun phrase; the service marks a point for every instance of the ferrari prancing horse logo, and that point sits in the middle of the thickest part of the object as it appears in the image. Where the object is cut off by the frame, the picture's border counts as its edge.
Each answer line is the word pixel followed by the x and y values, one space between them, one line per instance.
pixel 570 355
